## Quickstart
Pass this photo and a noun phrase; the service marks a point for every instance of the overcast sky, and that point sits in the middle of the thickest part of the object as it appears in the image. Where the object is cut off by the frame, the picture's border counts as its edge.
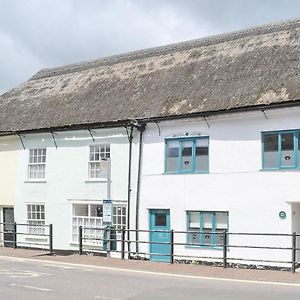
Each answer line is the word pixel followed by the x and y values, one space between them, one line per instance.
pixel 36 34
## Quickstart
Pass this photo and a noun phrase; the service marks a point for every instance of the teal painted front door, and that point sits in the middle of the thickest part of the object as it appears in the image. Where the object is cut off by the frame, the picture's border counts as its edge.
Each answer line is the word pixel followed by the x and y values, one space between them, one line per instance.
pixel 160 221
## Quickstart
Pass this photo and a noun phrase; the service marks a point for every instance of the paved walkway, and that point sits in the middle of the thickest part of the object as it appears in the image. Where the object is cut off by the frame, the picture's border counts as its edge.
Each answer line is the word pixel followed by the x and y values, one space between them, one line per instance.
pixel 147 266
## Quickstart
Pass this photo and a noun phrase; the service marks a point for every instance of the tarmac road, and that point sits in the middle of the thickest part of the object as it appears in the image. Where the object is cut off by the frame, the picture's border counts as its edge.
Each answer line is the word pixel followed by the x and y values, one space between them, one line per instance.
pixel 28 279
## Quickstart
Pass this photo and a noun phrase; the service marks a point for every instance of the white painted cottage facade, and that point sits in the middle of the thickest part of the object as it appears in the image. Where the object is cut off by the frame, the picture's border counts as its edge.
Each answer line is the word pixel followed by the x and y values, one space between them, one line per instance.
pixel 236 193
pixel 63 182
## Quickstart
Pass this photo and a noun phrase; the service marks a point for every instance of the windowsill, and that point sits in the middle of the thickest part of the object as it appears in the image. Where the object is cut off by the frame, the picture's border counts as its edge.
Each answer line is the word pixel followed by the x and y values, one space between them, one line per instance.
pixel 73 243
pixel 185 173
pixel 205 247
pixel 293 169
pixel 96 180
pixel 35 181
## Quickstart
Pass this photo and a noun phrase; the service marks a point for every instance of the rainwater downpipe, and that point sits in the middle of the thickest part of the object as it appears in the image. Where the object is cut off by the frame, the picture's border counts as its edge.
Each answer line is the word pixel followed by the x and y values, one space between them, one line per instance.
pixel 130 138
pixel 141 128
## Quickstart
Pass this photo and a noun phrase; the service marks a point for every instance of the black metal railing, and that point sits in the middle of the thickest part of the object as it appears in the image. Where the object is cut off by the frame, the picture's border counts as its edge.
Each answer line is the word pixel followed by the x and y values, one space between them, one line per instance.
pixel 15 230
pixel 105 243
pixel 224 259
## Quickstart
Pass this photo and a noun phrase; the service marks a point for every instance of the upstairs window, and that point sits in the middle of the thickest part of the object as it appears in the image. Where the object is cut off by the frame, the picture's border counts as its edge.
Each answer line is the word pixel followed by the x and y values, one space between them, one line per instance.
pixel 187 155
pixel 37 164
pixel 280 149
pixel 97 153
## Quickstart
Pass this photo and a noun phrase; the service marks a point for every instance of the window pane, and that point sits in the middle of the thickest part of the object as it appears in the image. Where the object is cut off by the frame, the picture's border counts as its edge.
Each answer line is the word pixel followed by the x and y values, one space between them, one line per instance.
pixel 94 170
pixel 124 211
pixel 96 211
pixel 287 149
pixel 194 219
pixel 160 220
pixel 172 156
pixel 187 155
pixel 81 210
pixel 207 237
pixel 221 220
pixel 194 237
pixel 201 155
pixel 221 225
pixel 270 150
pixel 207 228
pixel 207 220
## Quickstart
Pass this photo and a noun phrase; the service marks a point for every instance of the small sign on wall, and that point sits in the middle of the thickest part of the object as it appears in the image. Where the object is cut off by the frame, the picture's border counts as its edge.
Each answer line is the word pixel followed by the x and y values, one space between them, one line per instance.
pixel 107 211
pixel 282 215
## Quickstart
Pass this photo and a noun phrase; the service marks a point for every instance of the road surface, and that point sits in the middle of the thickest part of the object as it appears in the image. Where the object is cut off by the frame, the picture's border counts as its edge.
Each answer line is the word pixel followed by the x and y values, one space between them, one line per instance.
pixel 33 279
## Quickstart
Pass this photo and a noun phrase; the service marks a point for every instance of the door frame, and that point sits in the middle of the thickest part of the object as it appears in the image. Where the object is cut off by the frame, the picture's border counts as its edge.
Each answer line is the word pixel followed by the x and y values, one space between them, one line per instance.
pixel 2 208
pixel 153 210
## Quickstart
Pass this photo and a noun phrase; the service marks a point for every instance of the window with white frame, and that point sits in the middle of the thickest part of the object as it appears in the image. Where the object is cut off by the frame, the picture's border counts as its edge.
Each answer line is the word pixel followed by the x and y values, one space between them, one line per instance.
pixel 36 218
pixel 206 228
pixel 37 164
pixel 98 153
pixel 90 217
pixel 119 217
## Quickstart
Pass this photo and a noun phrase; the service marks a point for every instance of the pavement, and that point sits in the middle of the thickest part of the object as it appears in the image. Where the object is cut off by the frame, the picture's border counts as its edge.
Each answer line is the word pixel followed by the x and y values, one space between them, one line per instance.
pixel 26 274
pixel 136 266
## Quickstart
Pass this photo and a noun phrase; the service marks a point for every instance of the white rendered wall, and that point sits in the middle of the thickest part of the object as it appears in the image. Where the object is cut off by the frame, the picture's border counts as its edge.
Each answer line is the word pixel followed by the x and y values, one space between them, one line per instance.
pixel 9 147
pixel 66 179
pixel 235 182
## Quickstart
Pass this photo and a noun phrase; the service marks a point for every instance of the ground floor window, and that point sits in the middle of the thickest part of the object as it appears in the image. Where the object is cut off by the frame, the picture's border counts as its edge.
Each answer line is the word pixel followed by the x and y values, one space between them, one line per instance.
pixel 89 216
pixel 36 218
pixel 206 227
pixel 119 217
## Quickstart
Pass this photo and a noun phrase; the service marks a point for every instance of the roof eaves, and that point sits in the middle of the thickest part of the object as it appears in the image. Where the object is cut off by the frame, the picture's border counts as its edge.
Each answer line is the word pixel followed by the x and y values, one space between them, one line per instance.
pixel 123 123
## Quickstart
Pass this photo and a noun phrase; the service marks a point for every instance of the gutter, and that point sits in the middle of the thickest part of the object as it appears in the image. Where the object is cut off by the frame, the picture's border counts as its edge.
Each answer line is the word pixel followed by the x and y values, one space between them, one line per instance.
pixel 122 123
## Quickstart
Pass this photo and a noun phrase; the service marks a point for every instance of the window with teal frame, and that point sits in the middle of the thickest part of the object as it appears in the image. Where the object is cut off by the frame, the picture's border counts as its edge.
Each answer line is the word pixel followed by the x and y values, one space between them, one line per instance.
pixel 205 228
pixel 280 150
pixel 186 155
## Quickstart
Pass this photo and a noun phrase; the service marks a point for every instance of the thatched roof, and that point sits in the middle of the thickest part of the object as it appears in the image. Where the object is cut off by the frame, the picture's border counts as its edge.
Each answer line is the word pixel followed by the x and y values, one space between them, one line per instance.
pixel 255 67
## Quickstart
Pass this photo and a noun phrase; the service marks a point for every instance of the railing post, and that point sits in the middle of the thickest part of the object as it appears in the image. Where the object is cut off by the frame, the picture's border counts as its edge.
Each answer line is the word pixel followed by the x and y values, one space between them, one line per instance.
pixel 294 246
pixel 123 244
pixel 50 238
pixel 108 241
pixel 128 243
pixel 15 235
pixel 224 249
pixel 172 246
pixel 80 239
